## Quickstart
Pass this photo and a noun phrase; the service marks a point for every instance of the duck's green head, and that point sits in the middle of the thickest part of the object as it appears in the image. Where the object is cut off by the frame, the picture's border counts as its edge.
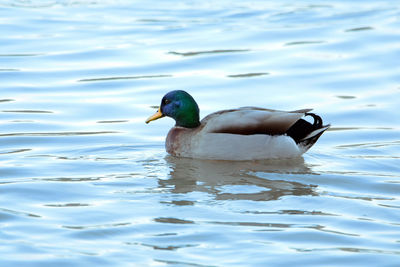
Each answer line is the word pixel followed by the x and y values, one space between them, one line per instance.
pixel 180 106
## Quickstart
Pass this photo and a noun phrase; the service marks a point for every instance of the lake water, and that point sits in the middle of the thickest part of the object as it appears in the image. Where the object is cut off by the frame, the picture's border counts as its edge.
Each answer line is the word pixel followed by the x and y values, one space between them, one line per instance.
pixel 85 182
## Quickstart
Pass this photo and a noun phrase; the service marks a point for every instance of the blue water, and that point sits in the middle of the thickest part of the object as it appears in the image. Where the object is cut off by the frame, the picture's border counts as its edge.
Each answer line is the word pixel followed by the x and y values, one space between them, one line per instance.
pixel 85 182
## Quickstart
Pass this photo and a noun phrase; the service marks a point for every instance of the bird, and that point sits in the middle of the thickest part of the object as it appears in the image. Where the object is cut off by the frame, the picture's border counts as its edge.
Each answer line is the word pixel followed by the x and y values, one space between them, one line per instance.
pixel 246 133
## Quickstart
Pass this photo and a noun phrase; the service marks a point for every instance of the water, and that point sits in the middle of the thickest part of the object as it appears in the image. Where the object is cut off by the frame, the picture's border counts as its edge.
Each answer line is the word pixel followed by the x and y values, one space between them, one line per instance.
pixel 84 181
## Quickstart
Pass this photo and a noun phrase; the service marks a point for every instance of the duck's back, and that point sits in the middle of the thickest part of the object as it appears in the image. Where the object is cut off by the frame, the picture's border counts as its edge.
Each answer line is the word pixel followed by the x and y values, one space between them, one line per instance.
pixel 251 120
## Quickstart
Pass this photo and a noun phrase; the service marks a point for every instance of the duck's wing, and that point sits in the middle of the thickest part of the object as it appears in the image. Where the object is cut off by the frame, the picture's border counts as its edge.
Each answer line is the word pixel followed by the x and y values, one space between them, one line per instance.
pixel 251 120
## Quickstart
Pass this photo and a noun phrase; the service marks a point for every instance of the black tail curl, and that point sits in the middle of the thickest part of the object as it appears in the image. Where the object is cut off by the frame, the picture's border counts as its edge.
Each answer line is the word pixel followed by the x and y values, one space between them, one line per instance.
pixel 302 128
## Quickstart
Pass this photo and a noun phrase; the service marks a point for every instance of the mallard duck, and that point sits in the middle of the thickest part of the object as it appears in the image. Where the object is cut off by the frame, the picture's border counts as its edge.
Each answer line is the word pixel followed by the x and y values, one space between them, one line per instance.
pixel 247 133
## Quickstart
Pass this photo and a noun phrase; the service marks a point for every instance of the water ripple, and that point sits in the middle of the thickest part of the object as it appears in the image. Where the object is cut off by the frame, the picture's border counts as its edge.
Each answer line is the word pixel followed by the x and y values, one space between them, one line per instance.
pixel 196 53
pixel 125 78
pixel 59 133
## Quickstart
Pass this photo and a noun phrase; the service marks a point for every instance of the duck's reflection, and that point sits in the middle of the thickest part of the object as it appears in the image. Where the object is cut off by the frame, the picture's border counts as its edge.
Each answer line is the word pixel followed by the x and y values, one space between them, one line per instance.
pixel 214 177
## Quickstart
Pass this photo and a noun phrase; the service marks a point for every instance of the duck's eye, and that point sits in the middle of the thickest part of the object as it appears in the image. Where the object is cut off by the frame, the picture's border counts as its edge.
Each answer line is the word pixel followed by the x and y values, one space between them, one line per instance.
pixel 167 101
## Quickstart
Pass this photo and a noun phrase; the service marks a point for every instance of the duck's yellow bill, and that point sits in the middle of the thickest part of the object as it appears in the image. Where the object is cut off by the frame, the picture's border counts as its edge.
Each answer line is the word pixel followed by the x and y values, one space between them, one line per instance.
pixel 156 116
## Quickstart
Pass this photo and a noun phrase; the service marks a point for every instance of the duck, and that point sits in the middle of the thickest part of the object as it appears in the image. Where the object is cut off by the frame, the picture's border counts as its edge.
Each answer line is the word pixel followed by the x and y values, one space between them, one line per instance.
pixel 246 133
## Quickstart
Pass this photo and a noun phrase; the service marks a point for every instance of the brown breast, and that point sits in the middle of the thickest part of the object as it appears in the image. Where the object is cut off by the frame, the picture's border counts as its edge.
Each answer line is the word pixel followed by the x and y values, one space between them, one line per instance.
pixel 178 140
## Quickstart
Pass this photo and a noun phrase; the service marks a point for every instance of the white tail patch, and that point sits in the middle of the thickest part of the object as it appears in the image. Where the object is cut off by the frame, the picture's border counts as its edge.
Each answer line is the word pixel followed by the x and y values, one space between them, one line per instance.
pixel 316 132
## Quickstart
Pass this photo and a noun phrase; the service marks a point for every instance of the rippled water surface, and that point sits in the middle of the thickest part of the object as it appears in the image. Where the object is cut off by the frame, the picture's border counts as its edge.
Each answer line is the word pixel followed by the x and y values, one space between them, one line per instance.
pixel 85 182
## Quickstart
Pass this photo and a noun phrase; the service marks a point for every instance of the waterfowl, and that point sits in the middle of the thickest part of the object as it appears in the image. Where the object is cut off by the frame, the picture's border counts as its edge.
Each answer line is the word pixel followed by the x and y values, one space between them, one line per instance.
pixel 247 133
